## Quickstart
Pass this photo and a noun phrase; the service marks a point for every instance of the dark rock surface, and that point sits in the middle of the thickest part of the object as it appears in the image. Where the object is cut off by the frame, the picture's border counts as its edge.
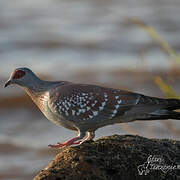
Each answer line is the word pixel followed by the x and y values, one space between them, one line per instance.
pixel 116 157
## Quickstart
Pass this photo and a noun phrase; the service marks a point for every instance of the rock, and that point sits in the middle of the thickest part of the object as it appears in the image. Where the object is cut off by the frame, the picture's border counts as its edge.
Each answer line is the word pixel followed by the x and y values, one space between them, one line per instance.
pixel 116 157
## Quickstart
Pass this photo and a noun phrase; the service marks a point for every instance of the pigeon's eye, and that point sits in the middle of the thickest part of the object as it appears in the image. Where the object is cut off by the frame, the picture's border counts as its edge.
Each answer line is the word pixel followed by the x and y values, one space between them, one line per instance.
pixel 18 74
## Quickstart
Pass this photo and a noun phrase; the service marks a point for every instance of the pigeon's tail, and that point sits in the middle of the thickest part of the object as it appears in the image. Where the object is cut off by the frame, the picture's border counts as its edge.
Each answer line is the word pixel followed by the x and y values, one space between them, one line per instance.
pixel 172 104
pixel 161 114
pixel 165 112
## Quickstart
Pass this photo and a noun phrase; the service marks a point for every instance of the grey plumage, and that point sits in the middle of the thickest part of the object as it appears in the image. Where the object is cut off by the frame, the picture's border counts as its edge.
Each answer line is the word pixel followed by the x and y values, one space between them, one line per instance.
pixel 85 107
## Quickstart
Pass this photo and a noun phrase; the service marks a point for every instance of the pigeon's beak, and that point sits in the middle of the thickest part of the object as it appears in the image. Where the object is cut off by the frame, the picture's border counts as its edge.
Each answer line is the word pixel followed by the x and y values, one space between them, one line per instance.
pixel 7 83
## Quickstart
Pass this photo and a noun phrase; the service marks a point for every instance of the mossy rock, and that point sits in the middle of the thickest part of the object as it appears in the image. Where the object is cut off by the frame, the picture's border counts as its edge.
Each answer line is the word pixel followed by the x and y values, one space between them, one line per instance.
pixel 114 158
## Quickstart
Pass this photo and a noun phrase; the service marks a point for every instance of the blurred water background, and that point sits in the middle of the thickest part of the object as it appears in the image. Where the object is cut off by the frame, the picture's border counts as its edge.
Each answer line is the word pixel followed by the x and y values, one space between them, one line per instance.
pixel 87 41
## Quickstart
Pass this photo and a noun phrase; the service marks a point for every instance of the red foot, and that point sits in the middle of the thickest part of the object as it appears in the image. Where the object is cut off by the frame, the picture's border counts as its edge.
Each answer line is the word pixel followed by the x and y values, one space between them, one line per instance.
pixel 62 145
pixel 77 142
pixel 58 145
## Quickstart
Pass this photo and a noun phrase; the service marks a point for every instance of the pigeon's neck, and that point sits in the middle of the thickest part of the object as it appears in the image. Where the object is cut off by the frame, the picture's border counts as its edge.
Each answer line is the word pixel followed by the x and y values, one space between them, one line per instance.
pixel 39 91
pixel 38 86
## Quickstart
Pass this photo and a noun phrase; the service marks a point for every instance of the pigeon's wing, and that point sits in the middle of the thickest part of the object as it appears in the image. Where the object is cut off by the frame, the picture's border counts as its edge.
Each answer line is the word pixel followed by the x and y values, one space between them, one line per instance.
pixel 90 104
pixel 82 103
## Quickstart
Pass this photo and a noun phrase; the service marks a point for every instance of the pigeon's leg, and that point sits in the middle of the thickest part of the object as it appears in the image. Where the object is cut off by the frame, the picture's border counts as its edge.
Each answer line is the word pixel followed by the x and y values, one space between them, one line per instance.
pixel 72 141
pixel 90 136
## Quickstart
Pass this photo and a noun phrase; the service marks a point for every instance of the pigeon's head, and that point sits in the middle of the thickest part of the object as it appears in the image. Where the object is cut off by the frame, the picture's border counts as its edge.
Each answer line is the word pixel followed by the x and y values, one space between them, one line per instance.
pixel 22 77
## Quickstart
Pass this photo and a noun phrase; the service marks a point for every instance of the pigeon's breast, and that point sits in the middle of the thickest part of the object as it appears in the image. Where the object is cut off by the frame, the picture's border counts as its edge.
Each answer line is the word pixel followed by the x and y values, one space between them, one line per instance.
pixel 41 100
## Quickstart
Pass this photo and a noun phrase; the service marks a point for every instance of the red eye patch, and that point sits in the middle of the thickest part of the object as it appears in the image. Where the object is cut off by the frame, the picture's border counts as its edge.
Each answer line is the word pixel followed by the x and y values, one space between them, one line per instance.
pixel 18 74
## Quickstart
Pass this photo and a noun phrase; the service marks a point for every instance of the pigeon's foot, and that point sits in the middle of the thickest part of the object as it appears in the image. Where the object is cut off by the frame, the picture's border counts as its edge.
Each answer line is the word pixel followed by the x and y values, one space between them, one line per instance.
pixel 67 143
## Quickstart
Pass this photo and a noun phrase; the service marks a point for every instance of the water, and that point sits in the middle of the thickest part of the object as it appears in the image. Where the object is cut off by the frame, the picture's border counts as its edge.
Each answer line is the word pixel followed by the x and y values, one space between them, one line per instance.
pixel 48 34
pixel 87 41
